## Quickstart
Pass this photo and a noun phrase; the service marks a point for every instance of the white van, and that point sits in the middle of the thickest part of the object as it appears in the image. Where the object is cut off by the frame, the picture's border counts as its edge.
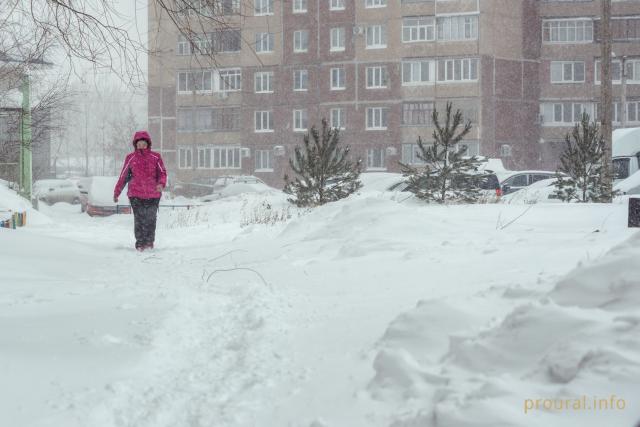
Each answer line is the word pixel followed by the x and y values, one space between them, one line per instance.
pixel 625 153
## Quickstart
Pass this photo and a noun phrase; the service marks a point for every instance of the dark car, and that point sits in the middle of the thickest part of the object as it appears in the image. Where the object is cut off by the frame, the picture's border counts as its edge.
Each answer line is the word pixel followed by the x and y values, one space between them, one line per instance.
pixel 520 179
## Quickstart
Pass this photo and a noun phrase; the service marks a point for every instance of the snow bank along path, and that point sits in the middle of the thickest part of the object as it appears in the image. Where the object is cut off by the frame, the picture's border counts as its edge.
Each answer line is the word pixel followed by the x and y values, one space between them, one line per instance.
pixel 309 322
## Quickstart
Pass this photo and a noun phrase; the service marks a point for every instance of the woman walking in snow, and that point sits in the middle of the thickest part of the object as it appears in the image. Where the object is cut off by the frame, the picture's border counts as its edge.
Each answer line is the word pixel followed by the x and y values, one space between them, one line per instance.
pixel 144 171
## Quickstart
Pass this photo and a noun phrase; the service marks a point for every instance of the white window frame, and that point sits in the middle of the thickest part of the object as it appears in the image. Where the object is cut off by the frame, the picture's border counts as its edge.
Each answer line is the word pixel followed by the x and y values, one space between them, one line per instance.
pixel 299 39
pixel 300 80
pixel 567 71
pixel 337 78
pixel 376 159
pixel 230 73
pixel 376 36
pixel 185 158
pixel 336 4
pixel 184 46
pixel 300 120
pixel 375 118
pixel 300 6
pixel 550 110
pixel 418 29
pixel 263 7
pixel 262 119
pixel 264 42
pixel 374 4
pixel 567 27
pixel 337 118
pixel 206 78
pixel 451 28
pixel 263 161
pixel 413 67
pixel 264 78
pixel 337 40
pixel 410 153
pixel 377 77
pixel 465 65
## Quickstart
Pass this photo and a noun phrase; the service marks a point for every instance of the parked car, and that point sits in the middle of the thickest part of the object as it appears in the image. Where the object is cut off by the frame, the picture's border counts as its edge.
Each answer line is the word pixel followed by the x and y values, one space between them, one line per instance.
pixel 625 153
pixel 100 197
pixel 517 180
pixel 83 186
pixel 542 191
pixel 53 191
pixel 490 191
pixel 229 185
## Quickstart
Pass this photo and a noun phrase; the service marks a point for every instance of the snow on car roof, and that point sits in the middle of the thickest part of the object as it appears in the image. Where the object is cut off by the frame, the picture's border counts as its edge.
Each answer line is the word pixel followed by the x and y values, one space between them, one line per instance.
pixel 101 191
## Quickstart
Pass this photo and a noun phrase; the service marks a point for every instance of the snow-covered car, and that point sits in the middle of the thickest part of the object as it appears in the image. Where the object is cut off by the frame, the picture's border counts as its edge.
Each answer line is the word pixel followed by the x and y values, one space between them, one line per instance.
pixel 53 191
pixel 100 197
pixel 539 192
pixel 225 186
pixel 83 185
pixel 630 185
pixel 382 181
pixel 517 180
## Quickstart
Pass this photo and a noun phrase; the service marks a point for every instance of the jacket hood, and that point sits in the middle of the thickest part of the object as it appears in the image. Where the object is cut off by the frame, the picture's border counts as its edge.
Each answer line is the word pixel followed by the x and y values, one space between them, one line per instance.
pixel 141 134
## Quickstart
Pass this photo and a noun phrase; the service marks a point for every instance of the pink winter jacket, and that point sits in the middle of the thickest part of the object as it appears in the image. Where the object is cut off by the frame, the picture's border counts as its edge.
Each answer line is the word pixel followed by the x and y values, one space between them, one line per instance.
pixel 143 170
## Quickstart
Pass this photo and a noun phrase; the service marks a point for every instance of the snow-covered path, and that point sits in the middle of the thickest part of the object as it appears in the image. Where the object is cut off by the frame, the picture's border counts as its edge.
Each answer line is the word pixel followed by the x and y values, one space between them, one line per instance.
pixel 287 325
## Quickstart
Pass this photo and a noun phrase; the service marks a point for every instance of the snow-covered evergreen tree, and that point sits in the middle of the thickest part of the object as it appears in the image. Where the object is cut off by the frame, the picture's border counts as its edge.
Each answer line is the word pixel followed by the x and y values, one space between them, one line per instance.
pixel 325 172
pixel 448 174
pixel 586 178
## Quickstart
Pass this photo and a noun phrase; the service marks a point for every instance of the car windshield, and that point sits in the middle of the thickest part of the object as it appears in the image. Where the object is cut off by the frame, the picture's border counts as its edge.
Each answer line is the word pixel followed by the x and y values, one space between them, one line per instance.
pixel 621 168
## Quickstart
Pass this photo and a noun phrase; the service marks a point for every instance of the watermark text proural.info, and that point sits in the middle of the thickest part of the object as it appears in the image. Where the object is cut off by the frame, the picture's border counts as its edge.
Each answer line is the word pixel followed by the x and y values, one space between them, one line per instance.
pixel 583 403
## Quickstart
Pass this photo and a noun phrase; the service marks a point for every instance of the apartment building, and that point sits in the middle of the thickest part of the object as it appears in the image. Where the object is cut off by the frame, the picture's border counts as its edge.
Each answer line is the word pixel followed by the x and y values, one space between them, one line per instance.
pixel 376 69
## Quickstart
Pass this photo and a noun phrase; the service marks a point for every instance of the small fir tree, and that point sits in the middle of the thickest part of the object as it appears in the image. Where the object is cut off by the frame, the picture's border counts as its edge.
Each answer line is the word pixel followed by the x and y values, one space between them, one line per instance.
pixel 586 178
pixel 447 173
pixel 323 168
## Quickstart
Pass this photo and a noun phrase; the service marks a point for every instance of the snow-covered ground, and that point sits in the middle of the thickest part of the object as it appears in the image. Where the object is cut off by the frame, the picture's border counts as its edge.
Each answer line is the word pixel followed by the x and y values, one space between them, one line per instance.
pixel 364 312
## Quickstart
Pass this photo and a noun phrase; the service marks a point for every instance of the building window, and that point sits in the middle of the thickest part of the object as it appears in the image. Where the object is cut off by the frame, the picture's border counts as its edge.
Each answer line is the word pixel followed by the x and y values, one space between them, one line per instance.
pixel 300 41
pixel 410 154
pixel 184 47
pixel 623 28
pixel 452 28
pixel 633 111
pixel 229 80
pixel 263 82
pixel 338 79
pixel 377 118
pixel 567 31
pixel 376 77
pixel 195 81
pixel 300 80
pixel 337 118
pixel 264 42
pixel 264 161
pixel 375 158
pixel 337 39
pixel 457 70
pixel 418 72
pixel 299 6
pixel 376 37
pixel 564 113
pixel 418 29
pixel 417 113
pixel 632 74
pixel 505 150
pixel 567 72
pixel 263 121
pixel 227 41
pixel 208 119
pixel 185 158
pixel 300 119
pixel 219 158
pixel 375 3
pixel 336 4
pixel 263 7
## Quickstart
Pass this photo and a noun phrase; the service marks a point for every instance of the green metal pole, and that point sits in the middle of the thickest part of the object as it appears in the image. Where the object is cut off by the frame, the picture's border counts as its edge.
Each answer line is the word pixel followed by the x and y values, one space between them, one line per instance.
pixel 25 143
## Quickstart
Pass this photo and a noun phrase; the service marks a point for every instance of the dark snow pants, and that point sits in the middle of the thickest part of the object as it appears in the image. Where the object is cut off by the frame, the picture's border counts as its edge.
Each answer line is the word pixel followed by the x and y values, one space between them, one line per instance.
pixel 145 212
